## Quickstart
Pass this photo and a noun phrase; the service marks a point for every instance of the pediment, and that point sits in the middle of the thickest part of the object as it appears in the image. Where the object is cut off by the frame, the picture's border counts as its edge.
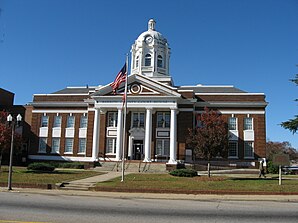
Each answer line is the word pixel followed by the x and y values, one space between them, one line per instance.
pixel 139 85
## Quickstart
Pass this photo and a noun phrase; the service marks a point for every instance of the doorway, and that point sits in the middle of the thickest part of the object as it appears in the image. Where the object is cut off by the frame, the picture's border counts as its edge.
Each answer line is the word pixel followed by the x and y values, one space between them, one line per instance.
pixel 138 149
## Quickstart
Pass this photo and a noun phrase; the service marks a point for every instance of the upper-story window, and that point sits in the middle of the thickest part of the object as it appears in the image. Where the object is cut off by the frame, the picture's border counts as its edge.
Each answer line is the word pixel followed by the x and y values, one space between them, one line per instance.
pixel 137 62
pixel 44 121
pixel 232 123
pixel 163 119
pixel 248 124
pixel 159 61
pixel 83 122
pixel 57 121
pixel 138 119
pixel 148 60
pixel 70 122
pixel 112 119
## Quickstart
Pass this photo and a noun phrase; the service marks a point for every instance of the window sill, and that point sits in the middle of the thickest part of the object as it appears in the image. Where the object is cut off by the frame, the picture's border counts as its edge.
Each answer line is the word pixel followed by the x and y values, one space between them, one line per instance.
pixel 68 153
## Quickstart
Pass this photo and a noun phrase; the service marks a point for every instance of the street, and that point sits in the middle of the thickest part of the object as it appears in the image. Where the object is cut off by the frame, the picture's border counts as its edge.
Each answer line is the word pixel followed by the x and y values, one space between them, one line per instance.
pixel 25 207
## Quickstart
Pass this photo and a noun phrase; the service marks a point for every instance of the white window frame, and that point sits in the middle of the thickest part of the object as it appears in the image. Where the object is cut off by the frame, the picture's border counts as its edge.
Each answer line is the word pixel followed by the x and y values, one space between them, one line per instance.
pixel 113 140
pixel 166 123
pixel 232 124
pixel 44 121
pixel 55 150
pixel 83 121
pixel 245 126
pixel 82 146
pixel 252 148
pixel 236 156
pixel 138 116
pixel 66 146
pixel 163 145
pixel 42 147
pixel 70 124
pixel 57 124
pixel 113 117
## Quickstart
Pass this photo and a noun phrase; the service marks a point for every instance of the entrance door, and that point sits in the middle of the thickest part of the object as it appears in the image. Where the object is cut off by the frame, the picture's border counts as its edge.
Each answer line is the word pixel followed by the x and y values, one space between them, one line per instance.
pixel 138 149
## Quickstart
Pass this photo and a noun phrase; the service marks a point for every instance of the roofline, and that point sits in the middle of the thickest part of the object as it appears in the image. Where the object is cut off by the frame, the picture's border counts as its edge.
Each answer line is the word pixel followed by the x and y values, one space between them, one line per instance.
pixel 199 85
pixel 53 94
pixel 244 93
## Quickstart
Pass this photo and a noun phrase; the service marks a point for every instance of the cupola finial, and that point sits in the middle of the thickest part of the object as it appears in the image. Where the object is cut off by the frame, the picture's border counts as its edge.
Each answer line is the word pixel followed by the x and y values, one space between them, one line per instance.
pixel 151 24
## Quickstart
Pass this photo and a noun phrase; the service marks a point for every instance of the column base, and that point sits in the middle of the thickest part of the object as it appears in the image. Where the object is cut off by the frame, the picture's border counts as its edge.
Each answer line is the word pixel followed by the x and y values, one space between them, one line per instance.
pixel 147 160
pixel 172 162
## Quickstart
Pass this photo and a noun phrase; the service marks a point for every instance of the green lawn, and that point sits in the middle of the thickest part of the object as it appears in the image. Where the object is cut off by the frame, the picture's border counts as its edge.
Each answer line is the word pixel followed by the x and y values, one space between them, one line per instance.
pixel 22 175
pixel 200 184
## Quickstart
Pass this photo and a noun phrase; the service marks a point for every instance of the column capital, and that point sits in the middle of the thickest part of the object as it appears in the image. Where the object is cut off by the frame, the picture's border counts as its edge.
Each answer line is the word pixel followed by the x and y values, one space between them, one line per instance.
pixel 102 111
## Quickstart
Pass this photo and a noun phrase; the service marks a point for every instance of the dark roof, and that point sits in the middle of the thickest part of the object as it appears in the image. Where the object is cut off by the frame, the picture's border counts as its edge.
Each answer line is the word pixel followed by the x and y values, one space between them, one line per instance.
pixel 212 89
pixel 75 90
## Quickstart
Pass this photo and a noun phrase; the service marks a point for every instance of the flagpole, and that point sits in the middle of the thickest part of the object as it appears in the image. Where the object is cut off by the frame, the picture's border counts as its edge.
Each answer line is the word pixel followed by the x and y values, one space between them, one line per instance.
pixel 124 120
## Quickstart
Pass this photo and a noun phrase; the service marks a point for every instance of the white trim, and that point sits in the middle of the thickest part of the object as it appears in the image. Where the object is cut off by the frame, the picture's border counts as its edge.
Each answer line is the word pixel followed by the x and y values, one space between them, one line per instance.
pixel 60 158
pixel 185 90
pixel 60 111
pixel 206 86
pixel 229 93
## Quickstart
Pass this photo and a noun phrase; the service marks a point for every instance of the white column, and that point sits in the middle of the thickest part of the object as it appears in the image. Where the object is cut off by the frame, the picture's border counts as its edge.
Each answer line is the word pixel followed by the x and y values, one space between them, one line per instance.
pixel 95 143
pixel 130 147
pixel 148 135
pixel 173 137
pixel 119 135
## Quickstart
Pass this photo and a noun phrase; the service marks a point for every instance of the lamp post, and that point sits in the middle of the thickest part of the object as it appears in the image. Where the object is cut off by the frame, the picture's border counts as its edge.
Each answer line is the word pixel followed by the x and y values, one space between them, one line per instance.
pixel 13 123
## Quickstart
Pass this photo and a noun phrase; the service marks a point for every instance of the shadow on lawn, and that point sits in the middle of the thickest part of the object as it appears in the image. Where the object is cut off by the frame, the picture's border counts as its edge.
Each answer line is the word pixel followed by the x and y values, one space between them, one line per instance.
pixel 49 172
pixel 254 179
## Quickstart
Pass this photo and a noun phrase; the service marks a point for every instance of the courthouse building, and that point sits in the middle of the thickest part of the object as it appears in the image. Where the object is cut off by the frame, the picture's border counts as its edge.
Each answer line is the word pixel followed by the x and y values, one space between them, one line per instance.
pixel 85 123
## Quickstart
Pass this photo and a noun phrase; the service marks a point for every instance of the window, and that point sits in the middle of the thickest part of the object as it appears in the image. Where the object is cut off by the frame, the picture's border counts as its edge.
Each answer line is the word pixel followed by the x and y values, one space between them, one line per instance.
pixel 137 62
pixel 42 145
pixel 148 60
pixel 159 61
pixel 44 121
pixel 70 122
pixel 138 120
pixel 82 145
pixel 84 121
pixel 163 147
pixel 163 119
pixel 68 145
pixel 247 123
pixel 111 145
pixel 112 119
pixel 248 150
pixel 57 121
pixel 55 145
pixel 233 149
pixel 232 123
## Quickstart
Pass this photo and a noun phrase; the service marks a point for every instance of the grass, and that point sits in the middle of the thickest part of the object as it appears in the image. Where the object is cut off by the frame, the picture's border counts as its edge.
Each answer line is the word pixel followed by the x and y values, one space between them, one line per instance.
pixel 201 184
pixel 22 175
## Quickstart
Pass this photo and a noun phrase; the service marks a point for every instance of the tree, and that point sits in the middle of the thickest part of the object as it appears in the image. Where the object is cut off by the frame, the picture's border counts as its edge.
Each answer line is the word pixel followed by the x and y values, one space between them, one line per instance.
pixel 273 148
pixel 210 138
pixel 292 124
pixel 5 135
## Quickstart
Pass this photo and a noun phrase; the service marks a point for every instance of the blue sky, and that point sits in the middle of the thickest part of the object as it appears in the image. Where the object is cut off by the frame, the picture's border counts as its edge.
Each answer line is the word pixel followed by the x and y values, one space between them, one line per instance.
pixel 46 45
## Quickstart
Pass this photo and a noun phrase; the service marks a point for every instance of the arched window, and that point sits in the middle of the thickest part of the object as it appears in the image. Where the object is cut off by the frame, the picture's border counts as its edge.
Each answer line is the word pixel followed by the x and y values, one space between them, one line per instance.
pixel 159 61
pixel 148 60
pixel 137 62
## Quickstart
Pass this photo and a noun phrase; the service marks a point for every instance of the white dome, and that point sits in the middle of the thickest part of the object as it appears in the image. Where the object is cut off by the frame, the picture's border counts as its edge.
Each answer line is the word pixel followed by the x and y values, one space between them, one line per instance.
pixel 157 36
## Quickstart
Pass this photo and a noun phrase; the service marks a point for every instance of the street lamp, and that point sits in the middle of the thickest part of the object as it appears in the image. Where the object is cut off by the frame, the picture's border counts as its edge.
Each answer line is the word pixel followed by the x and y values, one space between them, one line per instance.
pixel 13 123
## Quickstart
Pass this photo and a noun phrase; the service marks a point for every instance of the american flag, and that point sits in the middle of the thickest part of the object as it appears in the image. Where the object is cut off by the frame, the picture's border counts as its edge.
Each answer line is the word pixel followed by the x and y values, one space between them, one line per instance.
pixel 121 77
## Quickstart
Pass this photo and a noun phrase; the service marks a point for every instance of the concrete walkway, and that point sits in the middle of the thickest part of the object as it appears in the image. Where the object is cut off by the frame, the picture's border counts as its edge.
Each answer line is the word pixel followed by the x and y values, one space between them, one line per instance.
pixel 99 178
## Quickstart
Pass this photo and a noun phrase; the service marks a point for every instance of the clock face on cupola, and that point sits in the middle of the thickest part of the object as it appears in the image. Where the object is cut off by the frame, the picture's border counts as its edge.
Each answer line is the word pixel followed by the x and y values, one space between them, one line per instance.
pixel 150 55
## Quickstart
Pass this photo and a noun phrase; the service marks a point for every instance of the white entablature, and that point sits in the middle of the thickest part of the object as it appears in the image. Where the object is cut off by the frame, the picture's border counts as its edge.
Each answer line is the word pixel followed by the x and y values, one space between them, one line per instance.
pixel 150 55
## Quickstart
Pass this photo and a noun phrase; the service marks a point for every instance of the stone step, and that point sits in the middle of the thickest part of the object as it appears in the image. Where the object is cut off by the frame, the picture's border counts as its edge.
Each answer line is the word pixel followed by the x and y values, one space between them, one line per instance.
pixel 75 186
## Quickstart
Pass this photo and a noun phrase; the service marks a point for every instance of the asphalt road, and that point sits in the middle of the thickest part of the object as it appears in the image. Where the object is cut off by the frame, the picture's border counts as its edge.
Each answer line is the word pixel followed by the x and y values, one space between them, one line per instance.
pixel 23 207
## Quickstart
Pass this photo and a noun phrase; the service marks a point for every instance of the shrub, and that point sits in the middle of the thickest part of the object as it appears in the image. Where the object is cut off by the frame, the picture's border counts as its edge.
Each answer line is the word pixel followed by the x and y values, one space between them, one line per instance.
pixel 41 167
pixel 271 168
pixel 184 173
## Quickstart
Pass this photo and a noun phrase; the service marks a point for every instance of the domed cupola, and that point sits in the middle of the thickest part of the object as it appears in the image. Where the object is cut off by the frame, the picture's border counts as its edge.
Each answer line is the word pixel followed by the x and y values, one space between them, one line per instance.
pixel 150 55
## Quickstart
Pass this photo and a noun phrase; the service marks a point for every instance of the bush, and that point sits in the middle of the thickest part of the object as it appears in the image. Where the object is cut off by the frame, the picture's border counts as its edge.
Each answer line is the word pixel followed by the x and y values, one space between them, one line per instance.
pixel 271 168
pixel 72 165
pixel 184 173
pixel 47 167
